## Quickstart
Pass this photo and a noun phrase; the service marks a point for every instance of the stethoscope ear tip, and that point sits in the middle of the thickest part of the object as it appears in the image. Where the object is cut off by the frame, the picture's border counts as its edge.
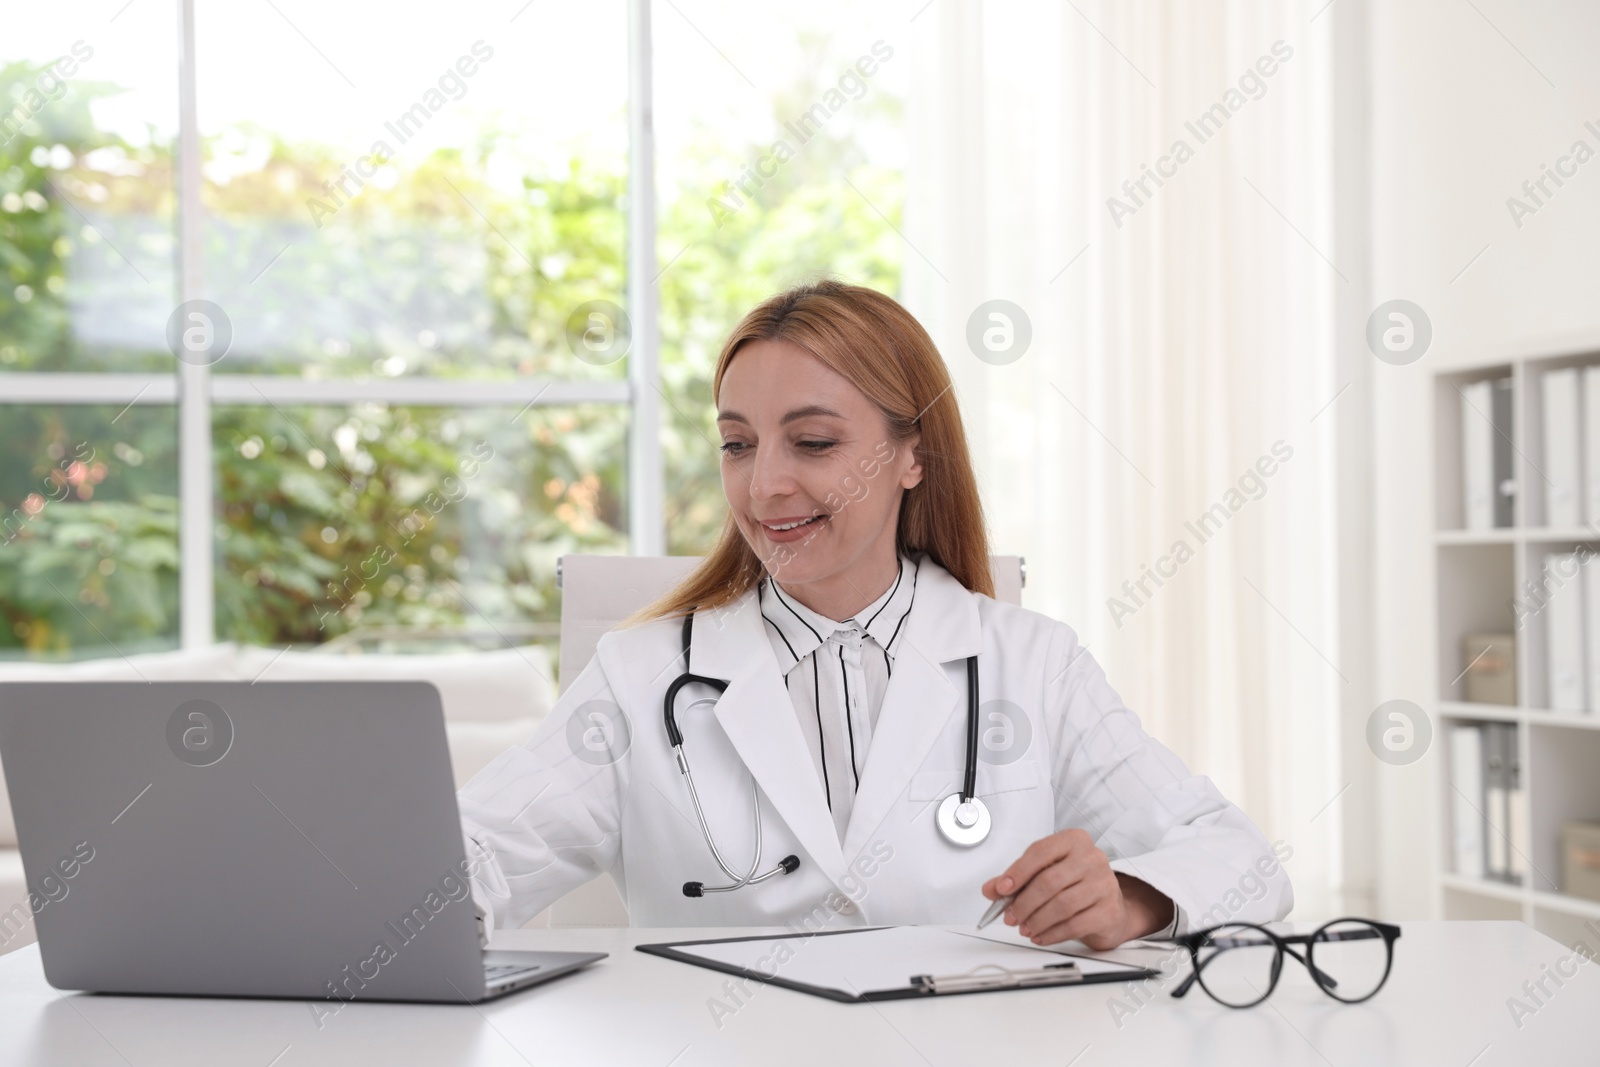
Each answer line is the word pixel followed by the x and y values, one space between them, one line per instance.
pixel 697 889
pixel 789 864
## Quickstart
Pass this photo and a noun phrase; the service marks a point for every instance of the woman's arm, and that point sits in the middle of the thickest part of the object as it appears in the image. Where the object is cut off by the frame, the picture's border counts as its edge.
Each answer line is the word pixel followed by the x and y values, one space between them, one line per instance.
pixel 1144 842
pixel 543 818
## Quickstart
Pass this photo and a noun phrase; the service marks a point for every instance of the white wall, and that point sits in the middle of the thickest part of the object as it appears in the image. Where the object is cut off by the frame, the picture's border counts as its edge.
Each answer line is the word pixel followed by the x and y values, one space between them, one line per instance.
pixel 1467 101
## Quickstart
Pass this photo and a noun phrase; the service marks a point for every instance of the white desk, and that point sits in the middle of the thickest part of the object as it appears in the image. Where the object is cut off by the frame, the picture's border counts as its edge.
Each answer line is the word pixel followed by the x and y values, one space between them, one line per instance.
pixel 1444 1004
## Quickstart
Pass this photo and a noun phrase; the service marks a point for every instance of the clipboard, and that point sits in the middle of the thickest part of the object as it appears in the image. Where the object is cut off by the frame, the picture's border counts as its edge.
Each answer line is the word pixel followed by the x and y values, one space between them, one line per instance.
pixel 893 963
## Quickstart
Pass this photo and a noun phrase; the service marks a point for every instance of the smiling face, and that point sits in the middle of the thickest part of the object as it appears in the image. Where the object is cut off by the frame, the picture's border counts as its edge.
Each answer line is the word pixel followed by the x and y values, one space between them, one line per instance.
pixel 812 475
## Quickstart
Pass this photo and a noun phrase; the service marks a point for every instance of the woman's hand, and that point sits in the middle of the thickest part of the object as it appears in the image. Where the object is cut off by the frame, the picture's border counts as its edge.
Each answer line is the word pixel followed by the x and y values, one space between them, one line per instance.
pixel 1067 890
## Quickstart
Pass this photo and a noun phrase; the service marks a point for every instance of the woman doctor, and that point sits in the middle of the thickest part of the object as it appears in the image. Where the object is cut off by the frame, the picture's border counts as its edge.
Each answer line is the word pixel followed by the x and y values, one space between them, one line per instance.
pixel 826 731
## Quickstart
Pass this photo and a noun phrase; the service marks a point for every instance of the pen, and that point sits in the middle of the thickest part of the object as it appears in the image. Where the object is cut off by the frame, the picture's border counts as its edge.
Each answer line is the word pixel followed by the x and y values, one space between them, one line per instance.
pixel 995 910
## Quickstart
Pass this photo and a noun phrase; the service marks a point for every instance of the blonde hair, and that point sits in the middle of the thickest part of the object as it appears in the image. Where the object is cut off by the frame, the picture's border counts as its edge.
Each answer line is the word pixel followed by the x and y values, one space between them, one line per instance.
pixel 877 346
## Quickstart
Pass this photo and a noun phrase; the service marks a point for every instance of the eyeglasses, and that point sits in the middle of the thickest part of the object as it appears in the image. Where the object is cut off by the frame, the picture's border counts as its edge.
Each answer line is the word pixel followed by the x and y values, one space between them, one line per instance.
pixel 1239 963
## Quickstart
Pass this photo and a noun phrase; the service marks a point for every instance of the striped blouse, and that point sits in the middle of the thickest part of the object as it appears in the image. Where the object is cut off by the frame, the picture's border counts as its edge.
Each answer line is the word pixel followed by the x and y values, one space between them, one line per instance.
pixel 836 673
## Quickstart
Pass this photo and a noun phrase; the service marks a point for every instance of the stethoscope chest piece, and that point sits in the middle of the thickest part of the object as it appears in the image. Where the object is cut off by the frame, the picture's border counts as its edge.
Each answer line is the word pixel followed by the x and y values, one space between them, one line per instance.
pixel 963 822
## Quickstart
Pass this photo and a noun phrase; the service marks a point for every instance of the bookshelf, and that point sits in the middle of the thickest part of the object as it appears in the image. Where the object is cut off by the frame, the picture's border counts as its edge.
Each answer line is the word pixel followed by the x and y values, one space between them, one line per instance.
pixel 1477 575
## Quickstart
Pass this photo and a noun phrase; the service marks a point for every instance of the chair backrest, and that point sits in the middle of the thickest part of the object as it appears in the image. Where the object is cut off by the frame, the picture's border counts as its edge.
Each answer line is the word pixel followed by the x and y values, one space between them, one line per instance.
pixel 597 592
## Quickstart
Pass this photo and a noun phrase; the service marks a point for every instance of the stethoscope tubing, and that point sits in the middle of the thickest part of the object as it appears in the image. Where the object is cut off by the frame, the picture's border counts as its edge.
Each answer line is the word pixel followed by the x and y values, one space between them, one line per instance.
pixel 675 736
pixel 964 833
pixel 969 782
pixel 705 827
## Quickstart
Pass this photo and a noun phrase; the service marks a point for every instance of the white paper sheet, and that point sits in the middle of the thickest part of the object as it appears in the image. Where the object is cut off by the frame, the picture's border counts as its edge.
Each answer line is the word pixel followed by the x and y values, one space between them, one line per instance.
pixel 871 961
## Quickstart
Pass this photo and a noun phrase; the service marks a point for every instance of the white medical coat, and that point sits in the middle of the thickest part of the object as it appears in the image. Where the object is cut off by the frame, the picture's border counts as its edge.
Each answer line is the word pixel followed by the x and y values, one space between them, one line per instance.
pixel 597 787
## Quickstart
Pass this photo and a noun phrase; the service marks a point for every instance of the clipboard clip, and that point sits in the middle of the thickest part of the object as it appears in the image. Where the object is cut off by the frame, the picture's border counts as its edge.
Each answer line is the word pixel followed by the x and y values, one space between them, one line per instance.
pixel 994 976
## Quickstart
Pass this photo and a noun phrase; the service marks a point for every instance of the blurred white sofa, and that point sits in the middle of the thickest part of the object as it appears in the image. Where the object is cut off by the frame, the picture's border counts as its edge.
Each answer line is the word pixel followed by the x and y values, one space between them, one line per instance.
pixel 492 701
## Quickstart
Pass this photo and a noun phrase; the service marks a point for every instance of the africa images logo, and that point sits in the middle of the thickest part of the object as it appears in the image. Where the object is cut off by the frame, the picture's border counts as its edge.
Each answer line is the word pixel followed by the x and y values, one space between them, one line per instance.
pixel 1399 732
pixel 1006 734
pixel 199 332
pixel 598 733
pixel 199 732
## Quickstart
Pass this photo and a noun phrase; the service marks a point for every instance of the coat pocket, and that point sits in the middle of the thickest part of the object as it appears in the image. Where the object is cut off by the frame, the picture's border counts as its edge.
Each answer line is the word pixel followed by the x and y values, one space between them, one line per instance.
pixel 992 779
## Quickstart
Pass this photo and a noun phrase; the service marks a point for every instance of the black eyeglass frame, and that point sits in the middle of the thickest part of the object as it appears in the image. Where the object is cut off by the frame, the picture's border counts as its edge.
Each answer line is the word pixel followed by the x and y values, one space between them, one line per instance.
pixel 1283 944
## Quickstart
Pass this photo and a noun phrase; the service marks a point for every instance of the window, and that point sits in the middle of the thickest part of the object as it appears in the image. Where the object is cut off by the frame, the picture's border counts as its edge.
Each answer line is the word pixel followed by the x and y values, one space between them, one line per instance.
pixel 89 548
pixel 378 367
pixel 88 481
pixel 779 161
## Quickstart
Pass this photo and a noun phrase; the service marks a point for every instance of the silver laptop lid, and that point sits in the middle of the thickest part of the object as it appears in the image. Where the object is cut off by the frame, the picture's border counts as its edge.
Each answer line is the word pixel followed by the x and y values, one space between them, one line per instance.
pixel 286 839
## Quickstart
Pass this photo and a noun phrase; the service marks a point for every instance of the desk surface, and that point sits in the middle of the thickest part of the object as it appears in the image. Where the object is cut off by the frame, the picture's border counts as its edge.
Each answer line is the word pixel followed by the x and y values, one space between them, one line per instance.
pixel 1446 1003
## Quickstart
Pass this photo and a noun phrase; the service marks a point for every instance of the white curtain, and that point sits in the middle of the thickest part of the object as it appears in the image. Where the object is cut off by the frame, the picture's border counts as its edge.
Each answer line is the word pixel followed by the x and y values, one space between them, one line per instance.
pixel 1176 340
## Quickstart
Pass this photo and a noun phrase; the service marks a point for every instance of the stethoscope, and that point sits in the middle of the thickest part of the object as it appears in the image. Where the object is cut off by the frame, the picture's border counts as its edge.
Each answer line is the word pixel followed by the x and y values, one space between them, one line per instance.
pixel 788 864
pixel 962 818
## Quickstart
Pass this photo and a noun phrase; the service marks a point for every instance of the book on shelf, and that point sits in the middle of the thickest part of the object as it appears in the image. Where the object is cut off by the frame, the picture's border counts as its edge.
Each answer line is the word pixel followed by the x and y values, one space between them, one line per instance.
pixel 1516 806
pixel 1466 804
pixel 1591 444
pixel 1489 485
pixel 1564 638
pixel 1505 477
pixel 1496 802
pixel 1559 391
pixel 1477 455
pixel 1591 628
pixel 1488 803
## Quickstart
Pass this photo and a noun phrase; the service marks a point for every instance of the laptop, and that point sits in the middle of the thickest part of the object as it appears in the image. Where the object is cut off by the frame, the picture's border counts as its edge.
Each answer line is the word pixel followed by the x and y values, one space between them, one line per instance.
pixel 275 839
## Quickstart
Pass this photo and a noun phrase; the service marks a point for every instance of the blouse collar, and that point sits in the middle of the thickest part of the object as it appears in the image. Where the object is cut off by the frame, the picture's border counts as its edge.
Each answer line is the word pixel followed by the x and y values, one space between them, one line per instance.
pixel 803 631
